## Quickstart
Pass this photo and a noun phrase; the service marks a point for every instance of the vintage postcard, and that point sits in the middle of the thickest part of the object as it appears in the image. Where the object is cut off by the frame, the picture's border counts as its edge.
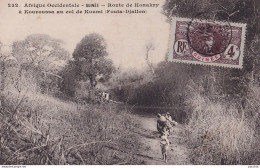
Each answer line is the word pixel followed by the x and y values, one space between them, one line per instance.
pixel 129 82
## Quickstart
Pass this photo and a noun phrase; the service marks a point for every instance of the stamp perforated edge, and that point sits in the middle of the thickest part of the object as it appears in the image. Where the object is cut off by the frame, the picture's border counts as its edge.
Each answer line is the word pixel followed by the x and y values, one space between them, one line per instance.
pixel 172 39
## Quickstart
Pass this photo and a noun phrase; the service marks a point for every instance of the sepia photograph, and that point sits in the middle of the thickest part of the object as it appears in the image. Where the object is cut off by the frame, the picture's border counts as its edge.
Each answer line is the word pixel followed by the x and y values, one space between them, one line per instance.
pixel 129 82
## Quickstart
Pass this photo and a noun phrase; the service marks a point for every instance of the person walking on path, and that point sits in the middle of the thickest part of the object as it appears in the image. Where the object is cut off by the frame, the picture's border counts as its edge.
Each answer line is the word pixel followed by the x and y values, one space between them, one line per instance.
pixel 170 122
pixel 161 124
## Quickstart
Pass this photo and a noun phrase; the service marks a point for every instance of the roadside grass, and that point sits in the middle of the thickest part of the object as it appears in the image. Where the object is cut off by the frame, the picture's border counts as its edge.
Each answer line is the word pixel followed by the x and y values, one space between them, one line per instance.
pixel 39 129
pixel 220 133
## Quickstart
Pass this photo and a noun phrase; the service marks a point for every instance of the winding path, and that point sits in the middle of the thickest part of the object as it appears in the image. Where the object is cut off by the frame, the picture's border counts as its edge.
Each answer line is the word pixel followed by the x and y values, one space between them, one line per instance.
pixel 150 149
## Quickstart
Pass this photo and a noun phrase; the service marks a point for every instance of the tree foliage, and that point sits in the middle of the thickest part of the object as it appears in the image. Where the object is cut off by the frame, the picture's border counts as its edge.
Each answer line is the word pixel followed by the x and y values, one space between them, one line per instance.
pixel 90 59
pixel 70 79
pixel 123 83
pixel 40 58
pixel 40 51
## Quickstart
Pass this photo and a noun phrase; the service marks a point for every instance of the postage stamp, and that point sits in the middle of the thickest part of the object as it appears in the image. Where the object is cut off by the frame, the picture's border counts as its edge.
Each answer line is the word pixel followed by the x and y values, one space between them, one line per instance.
pixel 207 42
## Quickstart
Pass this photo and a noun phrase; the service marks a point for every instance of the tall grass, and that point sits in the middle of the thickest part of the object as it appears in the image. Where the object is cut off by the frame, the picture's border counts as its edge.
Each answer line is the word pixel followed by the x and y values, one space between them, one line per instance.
pixel 38 129
pixel 221 133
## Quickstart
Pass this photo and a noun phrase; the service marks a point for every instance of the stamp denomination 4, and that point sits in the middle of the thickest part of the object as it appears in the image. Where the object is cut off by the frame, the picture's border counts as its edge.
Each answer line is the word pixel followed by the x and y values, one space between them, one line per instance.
pixel 207 42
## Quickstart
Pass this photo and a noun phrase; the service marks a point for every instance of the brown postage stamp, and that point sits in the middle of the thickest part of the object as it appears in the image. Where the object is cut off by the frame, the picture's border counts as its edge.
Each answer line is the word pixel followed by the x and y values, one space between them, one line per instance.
pixel 207 42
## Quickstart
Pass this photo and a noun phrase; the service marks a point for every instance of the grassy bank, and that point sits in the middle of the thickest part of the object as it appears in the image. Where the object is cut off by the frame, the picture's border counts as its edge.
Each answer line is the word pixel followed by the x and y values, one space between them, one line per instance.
pixel 221 133
pixel 38 129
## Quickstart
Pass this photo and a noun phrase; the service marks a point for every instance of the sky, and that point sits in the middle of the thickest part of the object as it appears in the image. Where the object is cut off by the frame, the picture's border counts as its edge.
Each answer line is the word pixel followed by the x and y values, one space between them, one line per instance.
pixel 126 35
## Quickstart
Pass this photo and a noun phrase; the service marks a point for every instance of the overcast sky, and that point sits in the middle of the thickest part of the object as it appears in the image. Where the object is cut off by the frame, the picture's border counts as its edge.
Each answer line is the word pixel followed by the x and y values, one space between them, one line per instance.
pixel 126 35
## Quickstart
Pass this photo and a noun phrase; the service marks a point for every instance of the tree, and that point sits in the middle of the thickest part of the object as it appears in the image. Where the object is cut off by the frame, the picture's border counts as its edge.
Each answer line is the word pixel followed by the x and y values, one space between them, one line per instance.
pixel 41 51
pixel 90 59
pixel 40 58
pixel 6 73
pixel 70 79
pixel 149 47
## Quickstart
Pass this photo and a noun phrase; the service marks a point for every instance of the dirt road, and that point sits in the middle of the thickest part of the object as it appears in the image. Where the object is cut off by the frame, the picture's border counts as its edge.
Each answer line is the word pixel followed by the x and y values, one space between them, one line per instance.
pixel 150 149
